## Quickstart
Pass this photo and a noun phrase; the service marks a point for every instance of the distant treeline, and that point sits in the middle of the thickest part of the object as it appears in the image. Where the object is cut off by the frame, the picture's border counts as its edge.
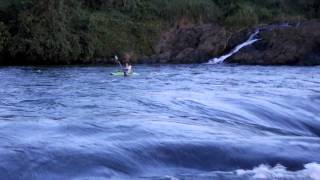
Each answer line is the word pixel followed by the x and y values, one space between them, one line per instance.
pixel 71 31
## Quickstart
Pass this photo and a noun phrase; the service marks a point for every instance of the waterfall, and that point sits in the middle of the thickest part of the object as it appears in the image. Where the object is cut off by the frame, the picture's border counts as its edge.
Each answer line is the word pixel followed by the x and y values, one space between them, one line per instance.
pixel 252 39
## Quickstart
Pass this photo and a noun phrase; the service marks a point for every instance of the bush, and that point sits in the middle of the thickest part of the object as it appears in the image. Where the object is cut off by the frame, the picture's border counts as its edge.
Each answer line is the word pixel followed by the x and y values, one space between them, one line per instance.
pixel 244 16
pixel 45 33
pixel 4 36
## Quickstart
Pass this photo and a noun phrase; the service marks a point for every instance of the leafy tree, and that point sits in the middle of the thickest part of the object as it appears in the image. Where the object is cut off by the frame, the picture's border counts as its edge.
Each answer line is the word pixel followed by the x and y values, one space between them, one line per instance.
pixel 68 31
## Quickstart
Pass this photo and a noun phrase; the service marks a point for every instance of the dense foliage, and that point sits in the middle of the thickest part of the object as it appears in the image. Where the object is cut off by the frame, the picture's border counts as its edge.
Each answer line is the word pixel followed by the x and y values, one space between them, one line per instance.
pixel 71 31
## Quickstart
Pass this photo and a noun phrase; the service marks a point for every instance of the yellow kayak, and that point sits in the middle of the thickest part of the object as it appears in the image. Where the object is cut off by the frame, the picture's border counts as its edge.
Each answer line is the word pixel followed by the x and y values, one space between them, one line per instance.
pixel 120 73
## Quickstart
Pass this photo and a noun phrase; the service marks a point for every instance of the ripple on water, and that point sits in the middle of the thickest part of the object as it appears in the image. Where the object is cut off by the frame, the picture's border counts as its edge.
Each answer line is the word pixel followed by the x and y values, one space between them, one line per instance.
pixel 183 122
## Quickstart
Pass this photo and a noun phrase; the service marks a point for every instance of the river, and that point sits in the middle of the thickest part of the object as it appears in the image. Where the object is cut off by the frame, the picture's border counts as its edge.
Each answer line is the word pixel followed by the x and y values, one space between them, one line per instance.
pixel 168 122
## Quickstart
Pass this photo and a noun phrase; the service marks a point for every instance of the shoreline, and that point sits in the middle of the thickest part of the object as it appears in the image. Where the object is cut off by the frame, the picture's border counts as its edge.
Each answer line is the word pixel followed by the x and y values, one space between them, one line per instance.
pixel 278 44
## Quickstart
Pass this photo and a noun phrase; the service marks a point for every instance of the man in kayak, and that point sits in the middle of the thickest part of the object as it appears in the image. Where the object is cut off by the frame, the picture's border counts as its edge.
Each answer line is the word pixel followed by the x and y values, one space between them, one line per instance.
pixel 127 69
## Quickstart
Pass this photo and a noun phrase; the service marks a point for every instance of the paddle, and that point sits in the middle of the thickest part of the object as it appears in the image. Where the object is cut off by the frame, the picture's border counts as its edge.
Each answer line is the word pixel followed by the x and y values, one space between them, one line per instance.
pixel 117 60
pixel 122 69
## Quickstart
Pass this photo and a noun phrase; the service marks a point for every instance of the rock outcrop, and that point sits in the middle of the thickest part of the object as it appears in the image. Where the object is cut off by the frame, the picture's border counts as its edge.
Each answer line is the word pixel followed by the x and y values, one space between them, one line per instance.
pixel 190 44
pixel 297 44
pixel 279 44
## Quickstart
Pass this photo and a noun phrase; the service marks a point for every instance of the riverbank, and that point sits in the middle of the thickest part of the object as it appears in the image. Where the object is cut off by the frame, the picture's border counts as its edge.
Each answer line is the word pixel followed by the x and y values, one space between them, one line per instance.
pixel 194 31
pixel 294 43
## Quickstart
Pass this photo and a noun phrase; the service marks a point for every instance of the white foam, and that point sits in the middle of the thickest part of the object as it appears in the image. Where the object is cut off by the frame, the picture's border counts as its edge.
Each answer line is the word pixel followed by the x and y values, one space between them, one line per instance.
pixel 252 39
pixel 311 171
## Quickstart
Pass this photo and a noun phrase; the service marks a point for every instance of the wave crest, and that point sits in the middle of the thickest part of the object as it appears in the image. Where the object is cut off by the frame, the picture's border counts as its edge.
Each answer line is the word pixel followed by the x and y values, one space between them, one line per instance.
pixel 310 171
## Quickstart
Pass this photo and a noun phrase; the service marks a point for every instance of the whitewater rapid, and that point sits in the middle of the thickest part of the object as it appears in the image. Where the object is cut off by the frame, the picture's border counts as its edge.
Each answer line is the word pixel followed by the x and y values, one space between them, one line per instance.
pixel 170 122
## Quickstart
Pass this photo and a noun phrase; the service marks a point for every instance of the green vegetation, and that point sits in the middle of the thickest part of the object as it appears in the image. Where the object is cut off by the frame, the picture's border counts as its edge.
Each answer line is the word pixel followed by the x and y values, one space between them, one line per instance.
pixel 74 31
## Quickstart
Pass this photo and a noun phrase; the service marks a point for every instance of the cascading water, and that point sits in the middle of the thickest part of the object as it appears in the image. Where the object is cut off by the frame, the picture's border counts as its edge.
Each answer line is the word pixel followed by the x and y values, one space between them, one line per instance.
pixel 252 39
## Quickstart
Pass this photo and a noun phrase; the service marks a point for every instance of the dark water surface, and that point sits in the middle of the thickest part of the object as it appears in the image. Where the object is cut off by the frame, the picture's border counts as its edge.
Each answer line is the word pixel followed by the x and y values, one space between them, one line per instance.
pixel 170 122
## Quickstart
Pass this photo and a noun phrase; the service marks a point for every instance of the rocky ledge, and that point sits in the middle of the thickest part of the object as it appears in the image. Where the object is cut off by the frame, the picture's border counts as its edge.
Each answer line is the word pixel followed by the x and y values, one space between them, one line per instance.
pixel 292 44
pixel 289 44
pixel 189 44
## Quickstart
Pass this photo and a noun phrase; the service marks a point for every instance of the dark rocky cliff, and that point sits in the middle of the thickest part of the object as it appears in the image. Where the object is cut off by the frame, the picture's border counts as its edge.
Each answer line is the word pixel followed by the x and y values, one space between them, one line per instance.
pixel 291 44
pixel 297 44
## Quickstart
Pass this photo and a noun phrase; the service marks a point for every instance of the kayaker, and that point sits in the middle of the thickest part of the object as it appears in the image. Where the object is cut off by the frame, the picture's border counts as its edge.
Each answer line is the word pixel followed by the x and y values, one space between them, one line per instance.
pixel 127 69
